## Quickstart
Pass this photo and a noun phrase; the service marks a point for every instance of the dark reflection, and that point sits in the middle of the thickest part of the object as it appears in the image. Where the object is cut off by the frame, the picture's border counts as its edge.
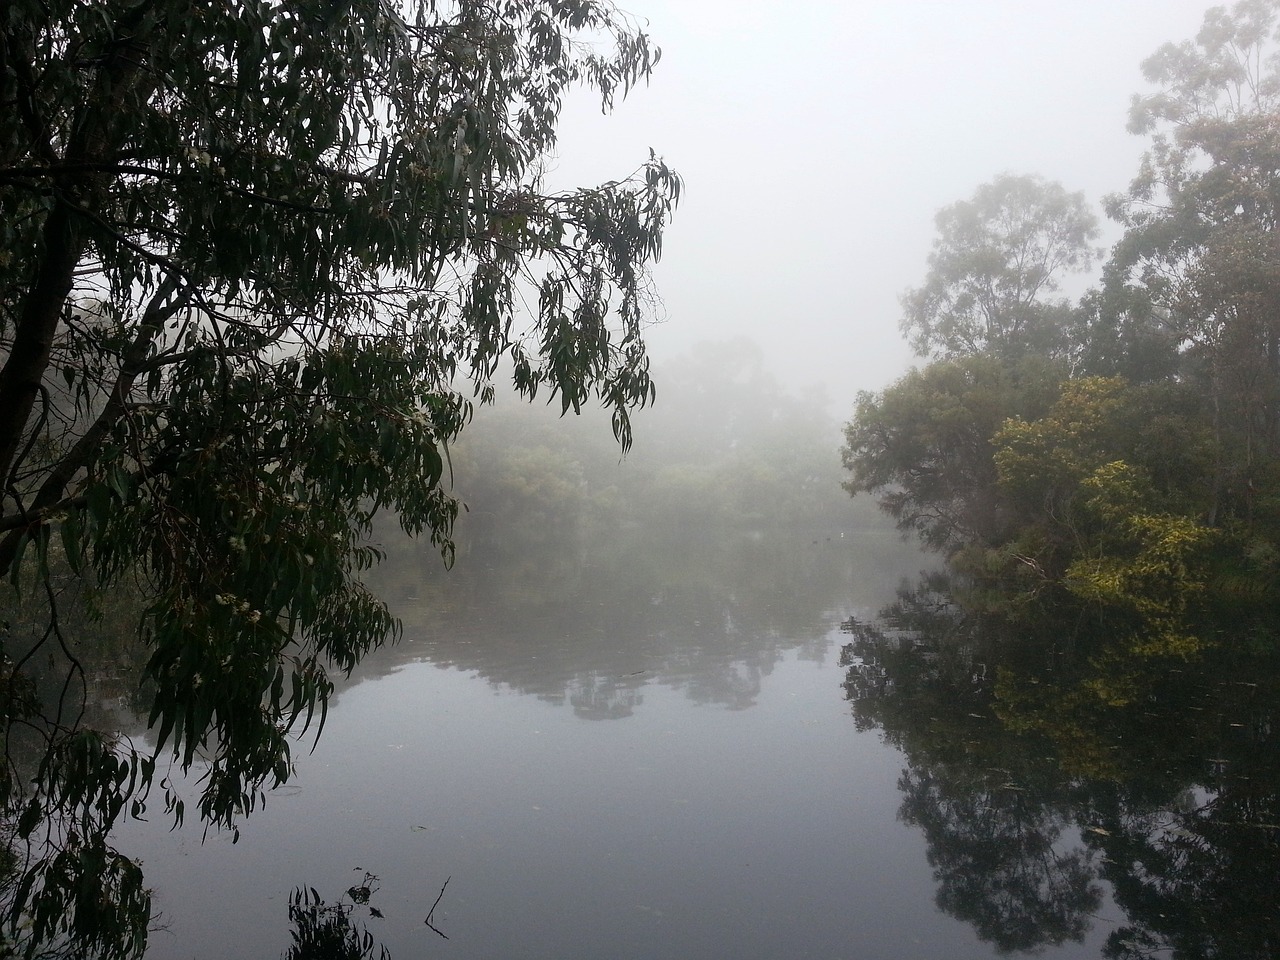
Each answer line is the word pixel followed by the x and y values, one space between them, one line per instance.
pixel 69 659
pixel 593 622
pixel 334 931
pixel 998 852
pixel 1051 758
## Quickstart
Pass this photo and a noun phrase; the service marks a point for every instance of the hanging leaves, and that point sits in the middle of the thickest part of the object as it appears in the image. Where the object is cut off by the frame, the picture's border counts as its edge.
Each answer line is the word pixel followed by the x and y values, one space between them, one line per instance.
pixel 276 249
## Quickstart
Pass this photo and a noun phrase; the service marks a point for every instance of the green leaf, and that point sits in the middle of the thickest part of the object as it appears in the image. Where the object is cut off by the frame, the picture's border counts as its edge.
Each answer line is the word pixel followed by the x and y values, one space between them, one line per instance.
pixel 70 530
pixel 31 815
pixel 15 569
pixel 119 481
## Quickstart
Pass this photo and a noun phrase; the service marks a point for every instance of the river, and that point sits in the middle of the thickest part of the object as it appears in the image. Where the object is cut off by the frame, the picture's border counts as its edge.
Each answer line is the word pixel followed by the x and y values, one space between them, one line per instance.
pixel 646 750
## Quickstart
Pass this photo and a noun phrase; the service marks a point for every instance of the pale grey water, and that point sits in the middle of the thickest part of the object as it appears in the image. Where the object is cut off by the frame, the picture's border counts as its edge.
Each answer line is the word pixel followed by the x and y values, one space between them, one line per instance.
pixel 604 764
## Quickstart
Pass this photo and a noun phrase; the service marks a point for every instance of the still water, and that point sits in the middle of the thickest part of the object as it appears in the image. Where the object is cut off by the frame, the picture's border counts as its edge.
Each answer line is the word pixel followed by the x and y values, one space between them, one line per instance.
pixel 637 751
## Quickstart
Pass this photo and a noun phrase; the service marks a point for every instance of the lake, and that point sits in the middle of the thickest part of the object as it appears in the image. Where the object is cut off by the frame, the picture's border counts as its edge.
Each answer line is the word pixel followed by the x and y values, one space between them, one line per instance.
pixel 646 749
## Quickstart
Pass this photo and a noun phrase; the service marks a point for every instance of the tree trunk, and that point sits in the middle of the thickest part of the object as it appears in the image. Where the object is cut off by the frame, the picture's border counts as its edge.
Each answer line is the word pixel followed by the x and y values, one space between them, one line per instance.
pixel 36 329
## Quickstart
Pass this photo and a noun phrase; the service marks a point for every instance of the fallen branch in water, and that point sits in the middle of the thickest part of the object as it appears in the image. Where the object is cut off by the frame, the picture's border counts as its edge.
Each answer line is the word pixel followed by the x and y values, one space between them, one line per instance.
pixel 432 911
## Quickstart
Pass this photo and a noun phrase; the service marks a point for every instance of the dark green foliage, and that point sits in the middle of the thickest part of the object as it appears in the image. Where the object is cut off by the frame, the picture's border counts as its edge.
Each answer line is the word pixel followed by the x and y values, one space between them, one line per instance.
pixel 1118 332
pixel 255 261
pixel 1201 216
pixel 924 445
pixel 1152 481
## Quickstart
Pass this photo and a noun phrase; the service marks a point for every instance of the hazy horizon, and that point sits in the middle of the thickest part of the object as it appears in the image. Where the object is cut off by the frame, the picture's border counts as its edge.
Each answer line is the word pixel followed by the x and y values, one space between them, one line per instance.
pixel 818 141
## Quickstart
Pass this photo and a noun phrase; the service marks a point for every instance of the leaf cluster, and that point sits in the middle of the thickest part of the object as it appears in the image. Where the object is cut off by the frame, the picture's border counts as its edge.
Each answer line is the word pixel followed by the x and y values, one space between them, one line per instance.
pixel 996 260
pixel 257 261
pixel 1145 479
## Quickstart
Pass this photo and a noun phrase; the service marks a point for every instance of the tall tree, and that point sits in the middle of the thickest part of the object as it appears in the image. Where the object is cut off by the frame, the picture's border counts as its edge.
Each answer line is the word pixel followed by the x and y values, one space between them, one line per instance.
pixel 254 257
pixel 997 259
pixel 1201 223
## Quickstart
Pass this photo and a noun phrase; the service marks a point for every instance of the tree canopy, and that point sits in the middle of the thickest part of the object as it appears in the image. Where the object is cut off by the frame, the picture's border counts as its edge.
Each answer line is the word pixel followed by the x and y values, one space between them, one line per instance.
pixel 1201 219
pixel 996 260
pixel 256 262
pixel 1138 466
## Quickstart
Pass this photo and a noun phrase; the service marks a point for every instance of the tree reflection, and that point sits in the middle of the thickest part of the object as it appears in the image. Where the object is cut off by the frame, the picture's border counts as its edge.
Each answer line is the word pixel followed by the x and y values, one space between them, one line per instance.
pixel 711 617
pixel 1195 884
pixel 998 855
pixel 1045 759
pixel 1199 878
pixel 69 659
pixel 603 698
pixel 330 931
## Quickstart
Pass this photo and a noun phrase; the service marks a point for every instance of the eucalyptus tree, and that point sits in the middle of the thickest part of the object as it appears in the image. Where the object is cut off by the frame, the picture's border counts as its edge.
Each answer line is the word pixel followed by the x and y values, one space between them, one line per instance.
pixel 998 343
pixel 997 260
pixel 1201 220
pixel 256 260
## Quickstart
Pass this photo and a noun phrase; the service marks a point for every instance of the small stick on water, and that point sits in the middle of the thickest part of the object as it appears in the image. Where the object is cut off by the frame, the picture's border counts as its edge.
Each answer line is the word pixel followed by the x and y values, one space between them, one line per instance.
pixel 433 910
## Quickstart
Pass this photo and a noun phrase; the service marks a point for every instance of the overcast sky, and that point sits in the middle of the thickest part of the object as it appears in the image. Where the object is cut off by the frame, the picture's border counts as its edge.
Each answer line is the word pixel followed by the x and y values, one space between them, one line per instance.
pixel 818 138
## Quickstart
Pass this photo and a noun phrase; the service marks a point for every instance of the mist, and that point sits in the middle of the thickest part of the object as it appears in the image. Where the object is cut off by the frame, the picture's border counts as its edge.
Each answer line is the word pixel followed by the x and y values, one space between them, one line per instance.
pixel 818 143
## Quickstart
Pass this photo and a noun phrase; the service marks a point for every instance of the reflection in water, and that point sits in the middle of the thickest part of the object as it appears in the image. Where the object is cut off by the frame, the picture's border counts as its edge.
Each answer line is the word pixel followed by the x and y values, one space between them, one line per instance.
pixel 998 853
pixel 709 617
pixel 604 698
pixel 332 931
pixel 728 809
pixel 1043 761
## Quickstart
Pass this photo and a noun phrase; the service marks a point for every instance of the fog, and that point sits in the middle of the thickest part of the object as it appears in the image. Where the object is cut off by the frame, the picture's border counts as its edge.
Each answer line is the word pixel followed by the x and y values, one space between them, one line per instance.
pixel 818 140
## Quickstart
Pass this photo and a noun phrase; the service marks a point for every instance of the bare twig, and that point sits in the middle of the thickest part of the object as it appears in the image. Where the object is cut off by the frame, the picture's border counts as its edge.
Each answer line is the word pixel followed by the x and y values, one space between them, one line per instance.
pixel 432 911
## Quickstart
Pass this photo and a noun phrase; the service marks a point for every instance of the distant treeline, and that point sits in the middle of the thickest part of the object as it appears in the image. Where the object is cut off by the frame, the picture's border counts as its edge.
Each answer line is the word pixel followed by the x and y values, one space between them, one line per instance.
pixel 724 447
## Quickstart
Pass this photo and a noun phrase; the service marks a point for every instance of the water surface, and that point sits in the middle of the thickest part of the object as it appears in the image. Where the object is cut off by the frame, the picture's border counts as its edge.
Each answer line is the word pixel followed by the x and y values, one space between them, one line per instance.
pixel 640 753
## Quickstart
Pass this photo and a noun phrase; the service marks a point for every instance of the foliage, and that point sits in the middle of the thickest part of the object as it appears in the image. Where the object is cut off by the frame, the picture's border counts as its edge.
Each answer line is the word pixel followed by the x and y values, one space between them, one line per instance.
pixel 252 259
pixel 1201 216
pixel 1111 656
pixel 1094 481
pixel 1142 468
pixel 996 258
pixel 1163 578
pixel 1118 332
pixel 1045 461
pixel 924 444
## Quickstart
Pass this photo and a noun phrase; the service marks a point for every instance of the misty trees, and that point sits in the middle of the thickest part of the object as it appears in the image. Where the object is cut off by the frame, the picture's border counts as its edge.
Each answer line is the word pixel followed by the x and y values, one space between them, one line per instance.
pixel 1201 220
pixel 1140 462
pixel 1000 345
pixel 727 450
pixel 996 260
pixel 923 445
pixel 249 254
pixel 1135 555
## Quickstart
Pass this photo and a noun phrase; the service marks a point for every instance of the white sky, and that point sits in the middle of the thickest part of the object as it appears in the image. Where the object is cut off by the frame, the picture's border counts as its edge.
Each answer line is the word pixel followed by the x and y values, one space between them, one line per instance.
pixel 818 139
